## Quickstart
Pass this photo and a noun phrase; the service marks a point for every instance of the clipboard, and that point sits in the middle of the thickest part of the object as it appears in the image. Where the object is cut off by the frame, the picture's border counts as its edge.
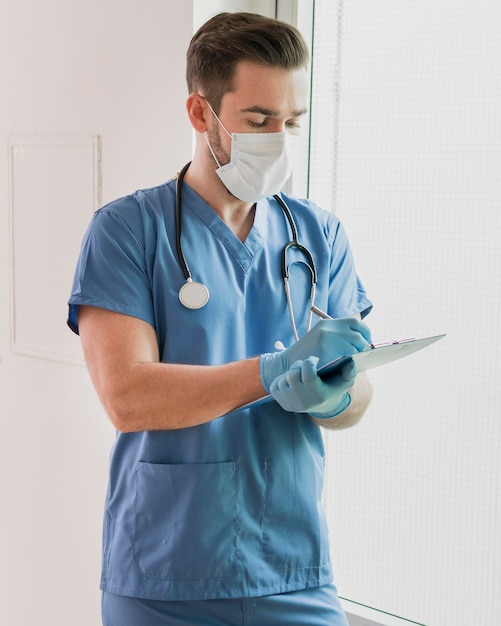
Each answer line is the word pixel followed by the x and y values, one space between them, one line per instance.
pixel 375 356
pixel 379 354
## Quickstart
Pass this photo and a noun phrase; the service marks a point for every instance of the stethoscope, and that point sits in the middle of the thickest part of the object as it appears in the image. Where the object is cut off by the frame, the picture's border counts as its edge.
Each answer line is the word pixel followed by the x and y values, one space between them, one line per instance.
pixel 195 295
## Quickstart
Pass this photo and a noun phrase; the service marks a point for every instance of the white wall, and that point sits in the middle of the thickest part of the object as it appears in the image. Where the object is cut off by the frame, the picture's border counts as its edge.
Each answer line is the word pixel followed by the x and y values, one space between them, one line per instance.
pixel 72 75
pixel 205 9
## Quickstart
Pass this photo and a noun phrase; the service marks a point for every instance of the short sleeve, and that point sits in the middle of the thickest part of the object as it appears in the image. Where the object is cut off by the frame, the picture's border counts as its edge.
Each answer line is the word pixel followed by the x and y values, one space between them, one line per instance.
pixel 347 295
pixel 111 272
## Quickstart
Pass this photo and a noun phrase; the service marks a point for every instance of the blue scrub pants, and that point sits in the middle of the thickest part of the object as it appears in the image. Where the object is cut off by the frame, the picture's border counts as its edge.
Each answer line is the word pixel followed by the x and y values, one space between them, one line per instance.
pixel 308 607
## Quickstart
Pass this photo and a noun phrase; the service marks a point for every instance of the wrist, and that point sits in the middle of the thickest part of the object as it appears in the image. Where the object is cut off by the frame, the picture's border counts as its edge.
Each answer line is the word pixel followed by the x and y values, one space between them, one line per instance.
pixel 344 403
pixel 267 369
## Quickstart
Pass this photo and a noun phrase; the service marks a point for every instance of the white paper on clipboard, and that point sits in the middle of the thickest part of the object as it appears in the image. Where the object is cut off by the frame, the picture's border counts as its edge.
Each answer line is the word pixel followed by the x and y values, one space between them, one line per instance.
pixel 380 355
pixel 366 360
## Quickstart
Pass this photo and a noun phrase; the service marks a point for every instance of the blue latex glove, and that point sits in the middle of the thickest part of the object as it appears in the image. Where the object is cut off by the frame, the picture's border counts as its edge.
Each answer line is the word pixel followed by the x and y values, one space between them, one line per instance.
pixel 301 390
pixel 327 340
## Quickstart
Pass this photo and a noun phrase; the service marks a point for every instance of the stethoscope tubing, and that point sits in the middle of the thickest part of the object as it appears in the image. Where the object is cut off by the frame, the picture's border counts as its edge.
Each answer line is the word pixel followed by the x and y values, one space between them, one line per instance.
pixel 293 243
pixel 180 253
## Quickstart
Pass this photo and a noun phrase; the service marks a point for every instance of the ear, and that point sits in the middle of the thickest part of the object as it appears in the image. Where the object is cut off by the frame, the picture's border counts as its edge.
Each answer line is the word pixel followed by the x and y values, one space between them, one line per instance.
pixel 197 111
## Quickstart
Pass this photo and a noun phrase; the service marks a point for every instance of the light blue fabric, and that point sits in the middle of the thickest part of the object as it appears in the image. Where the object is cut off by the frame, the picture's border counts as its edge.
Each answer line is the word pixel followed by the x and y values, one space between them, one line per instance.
pixel 231 508
pixel 311 607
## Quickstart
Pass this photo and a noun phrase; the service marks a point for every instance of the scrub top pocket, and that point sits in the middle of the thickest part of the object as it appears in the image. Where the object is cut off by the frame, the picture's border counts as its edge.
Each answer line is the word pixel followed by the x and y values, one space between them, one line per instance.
pixel 294 528
pixel 185 520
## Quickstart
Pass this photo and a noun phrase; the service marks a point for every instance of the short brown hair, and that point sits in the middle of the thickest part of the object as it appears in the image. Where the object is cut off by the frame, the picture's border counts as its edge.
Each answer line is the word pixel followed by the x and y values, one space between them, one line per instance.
pixel 228 38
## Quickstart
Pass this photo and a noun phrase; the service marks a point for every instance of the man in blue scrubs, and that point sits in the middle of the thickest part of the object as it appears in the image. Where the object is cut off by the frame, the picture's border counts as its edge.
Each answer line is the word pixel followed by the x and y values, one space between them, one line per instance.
pixel 213 514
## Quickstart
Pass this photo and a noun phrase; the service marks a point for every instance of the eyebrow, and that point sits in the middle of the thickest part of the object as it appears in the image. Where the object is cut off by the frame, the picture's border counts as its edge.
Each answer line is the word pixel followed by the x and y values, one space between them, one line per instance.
pixel 271 112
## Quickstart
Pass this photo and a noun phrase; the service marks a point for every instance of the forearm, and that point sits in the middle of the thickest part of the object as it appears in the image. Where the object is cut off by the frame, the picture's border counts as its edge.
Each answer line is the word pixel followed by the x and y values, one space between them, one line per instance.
pixel 361 395
pixel 160 396
pixel 139 392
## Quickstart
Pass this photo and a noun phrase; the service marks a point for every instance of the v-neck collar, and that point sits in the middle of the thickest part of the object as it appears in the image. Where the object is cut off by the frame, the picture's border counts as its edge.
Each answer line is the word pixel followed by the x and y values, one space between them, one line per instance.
pixel 243 252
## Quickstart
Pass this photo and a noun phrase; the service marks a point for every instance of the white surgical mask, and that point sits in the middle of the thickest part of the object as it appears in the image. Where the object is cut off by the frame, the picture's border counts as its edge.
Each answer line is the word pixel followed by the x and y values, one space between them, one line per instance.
pixel 260 163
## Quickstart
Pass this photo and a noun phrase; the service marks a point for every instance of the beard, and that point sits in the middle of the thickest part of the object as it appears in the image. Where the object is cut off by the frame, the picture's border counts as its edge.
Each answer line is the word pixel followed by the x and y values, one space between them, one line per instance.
pixel 218 154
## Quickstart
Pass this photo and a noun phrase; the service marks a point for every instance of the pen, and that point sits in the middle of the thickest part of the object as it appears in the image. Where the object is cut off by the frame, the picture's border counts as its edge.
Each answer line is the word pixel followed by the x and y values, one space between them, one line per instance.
pixel 326 316
pixel 320 313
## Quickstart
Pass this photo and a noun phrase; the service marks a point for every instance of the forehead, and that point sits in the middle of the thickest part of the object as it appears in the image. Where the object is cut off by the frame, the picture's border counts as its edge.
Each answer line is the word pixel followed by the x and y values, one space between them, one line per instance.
pixel 271 88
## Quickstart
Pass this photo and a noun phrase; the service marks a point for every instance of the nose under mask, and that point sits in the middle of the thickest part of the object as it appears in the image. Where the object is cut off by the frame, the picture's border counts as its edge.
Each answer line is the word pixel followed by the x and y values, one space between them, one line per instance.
pixel 260 163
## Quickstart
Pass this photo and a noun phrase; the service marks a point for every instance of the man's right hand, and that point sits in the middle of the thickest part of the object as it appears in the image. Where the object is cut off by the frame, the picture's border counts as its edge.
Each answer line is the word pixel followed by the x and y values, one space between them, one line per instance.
pixel 327 340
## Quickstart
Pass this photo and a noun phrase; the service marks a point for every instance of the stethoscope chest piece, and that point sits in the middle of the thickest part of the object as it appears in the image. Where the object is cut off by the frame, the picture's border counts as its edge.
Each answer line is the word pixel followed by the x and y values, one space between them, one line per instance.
pixel 193 295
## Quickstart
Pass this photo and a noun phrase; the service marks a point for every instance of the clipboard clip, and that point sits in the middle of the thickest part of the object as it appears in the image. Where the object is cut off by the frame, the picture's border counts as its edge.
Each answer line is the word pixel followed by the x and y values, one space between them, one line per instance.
pixel 393 342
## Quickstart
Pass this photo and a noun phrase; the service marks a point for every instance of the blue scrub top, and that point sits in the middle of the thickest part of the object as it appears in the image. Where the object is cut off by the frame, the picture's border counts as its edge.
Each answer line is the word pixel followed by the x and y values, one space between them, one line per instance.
pixel 231 508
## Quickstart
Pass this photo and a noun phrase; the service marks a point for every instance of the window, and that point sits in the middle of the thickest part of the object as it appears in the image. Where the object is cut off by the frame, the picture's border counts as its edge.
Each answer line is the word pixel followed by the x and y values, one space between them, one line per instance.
pixel 406 149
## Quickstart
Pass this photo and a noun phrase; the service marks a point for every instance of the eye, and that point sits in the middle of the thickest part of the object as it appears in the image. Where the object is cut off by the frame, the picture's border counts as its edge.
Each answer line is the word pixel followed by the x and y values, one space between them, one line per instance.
pixel 256 124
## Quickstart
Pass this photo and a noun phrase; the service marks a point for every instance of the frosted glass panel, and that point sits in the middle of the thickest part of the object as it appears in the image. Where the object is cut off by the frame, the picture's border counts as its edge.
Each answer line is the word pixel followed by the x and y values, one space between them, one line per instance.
pixel 414 491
